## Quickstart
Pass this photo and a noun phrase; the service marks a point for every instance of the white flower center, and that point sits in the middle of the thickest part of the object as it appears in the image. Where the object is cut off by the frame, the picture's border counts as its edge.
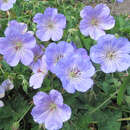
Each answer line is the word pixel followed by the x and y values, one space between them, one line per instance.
pixel 18 45
pixel 50 25
pixel 111 55
pixel 36 58
pixel 52 106
pixel 75 72
pixel 60 56
pixel 94 21
pixel 5 1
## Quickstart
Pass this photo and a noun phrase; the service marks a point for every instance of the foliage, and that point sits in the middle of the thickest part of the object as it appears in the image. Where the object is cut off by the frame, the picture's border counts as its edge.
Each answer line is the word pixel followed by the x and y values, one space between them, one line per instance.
pixel 99 108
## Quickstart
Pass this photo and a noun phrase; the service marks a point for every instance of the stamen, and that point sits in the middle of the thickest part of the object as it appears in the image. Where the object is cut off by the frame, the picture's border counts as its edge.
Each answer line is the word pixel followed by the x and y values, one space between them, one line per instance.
pixel 50 25
pixel 36 58
pixel 59 57
pixel 52 106
pixel 111 55
pixel 5 1
pixel 18 45
pixel 75 72
pixel 94 21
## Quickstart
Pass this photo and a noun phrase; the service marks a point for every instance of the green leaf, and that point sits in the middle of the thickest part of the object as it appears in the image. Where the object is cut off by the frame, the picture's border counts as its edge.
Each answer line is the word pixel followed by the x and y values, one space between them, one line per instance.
pixel 84 121
pixel 127 98
pixel 77 40
pixel 69 126
pixel 128 90
pixel 24 83
pixel 122 89
pixel 109 120
pixel 12 111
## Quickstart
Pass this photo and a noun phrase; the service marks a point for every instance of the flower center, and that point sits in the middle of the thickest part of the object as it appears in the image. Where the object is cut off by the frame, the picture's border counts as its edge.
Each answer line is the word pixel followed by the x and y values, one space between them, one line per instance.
pixel 52 106
pixel 75 73
pixel 60 56
pixel 18 45
pixel 5 1
pixel 39 70
pixel 36 58
pixel 94 21
pixel 110 55
pixel 50 25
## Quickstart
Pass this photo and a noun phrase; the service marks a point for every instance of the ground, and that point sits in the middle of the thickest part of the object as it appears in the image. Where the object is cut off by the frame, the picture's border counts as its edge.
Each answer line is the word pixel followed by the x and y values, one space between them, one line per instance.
pixel 117 8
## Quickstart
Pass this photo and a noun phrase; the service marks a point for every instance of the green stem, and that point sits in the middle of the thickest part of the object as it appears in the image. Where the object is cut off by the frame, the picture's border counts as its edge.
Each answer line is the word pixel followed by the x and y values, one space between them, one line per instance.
pixel 104 102
pixel 25 113
pixel 57 1
pixel 2 70
pixel 124 119
pixel 122 90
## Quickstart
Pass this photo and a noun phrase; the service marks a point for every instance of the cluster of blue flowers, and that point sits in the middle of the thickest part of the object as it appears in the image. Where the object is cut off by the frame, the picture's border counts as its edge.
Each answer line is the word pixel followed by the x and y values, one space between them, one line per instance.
pixel 70 64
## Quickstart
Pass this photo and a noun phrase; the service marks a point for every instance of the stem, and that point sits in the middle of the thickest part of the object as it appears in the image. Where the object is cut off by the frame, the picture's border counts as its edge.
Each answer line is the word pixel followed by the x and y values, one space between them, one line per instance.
pixel 104 102
pixel 124 119
pixel 111 107
pixel 2 70
pixel 57 1
pixel 25 113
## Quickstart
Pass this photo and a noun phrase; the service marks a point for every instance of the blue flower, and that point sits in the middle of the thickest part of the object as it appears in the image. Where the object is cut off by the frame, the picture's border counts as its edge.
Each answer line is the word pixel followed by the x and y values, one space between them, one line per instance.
pixel 5 86
pixel 17 44
pixel 38 53
pixel 56 52
pixel 75 73
pixel 113 54
pixel 96 20
pixel 1 103
pixel 120 1
pixel 50 25
pixel 50 110
pixel 6 4
pixel 37 78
